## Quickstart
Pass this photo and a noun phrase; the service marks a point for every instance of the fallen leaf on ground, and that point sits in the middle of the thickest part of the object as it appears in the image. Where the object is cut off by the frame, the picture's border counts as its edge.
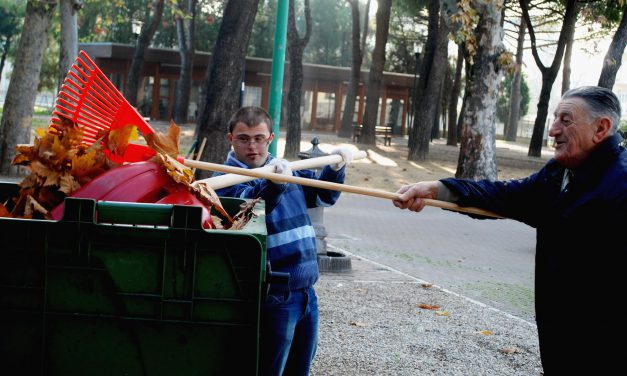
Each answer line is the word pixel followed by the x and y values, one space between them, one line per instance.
pixel 428 306
pixel 441 313
pixel 509 350
pixel 485 332
pixel 357 323
pixel 426 285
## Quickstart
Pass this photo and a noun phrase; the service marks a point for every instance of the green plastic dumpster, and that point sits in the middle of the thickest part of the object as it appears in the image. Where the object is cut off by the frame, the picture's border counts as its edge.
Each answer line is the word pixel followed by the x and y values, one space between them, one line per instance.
pixel 130 289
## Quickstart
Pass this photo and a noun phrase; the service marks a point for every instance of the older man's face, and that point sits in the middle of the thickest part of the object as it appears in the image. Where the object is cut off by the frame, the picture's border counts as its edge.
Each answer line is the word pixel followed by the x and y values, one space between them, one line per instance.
pixel 574 132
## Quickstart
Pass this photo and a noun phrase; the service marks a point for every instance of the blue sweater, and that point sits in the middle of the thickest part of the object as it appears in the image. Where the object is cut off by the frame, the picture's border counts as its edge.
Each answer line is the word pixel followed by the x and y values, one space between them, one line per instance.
pixel 291 237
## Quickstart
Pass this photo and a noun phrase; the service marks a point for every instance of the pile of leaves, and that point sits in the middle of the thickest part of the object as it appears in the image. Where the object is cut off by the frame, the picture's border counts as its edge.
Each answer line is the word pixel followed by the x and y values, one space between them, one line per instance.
pixel 59 163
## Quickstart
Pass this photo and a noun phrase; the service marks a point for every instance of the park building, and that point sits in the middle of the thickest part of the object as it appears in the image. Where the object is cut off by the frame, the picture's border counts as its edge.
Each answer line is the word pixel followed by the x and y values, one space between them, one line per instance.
pixel 324 87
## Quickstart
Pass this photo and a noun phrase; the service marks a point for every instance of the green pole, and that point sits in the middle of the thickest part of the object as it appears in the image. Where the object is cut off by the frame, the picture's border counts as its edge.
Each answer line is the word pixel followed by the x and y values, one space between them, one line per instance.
pixel 278 62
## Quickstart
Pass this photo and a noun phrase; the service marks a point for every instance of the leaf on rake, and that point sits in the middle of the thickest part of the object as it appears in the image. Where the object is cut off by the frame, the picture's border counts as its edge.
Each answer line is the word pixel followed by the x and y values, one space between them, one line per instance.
pixel 117 140
pixel 207 195
pixel 165 143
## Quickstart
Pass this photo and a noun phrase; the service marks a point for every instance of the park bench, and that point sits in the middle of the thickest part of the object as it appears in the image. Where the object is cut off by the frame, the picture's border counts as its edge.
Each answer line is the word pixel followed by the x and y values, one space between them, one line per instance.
pixel 385 131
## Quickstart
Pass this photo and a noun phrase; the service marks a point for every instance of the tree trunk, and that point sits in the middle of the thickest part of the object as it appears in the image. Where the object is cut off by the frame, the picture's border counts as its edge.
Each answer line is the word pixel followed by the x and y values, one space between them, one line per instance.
pixel 514 96
pixel 477 153
pixel 15 126
pixel 353 83
pixel 451 138
pixel 68 49
pixel 548 73
pixel 222 83
pixel 568 52
pixel 375 77
pixel 185 31
pixel 296 46
pixel 613 58
pixel 143 41
pixel 364 36
pixel 431 76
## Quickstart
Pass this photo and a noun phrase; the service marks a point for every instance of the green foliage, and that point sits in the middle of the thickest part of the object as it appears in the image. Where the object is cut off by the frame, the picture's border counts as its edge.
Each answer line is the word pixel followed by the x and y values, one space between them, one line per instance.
pixel 262 36
pixel 406 33
pixel 502 106
pixel 330 41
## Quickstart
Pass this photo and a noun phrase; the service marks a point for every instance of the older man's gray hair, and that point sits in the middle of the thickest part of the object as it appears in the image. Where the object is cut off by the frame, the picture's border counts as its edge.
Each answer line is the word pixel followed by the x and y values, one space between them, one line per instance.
pixel 601 102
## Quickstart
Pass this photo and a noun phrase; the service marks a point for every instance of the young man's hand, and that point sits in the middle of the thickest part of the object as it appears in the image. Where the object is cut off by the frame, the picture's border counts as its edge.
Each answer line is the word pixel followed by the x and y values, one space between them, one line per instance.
pixel 281 166
pixel 347 156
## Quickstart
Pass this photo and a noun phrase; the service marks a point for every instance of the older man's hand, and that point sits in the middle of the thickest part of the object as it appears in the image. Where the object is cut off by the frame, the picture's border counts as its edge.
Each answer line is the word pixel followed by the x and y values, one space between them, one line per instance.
pixel 411 195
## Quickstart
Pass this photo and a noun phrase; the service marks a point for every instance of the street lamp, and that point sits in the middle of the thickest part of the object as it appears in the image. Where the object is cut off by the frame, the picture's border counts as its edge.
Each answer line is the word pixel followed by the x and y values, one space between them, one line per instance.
pixel 414 89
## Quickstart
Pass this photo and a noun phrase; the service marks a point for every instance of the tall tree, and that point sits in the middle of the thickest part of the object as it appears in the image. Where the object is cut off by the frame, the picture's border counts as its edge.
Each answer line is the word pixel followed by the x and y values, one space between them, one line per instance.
pixel 549 73
pixel 295 47
pixel 511 128
pixel 185 31
pixel 221 87
pixel 10 19
pixel 375 77
pixel 451 138
pixel 68 50
pixel 568 53
pixel 477 145
pixel 613 57
pixel 431 76
pixel 148 30
pixel 353 83
pixel 15 126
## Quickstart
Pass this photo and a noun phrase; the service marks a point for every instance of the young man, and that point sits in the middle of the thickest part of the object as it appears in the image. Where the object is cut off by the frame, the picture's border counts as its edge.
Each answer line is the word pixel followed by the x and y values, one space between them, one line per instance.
pixel 578 204
pixel 289 316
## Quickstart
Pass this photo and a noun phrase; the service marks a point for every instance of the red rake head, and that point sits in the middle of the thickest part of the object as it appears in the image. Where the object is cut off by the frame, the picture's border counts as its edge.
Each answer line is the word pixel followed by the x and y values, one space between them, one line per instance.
pixel 90 100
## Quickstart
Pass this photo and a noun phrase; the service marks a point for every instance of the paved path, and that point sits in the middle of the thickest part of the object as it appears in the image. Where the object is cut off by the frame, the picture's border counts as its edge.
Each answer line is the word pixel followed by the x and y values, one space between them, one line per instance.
pixel 487 260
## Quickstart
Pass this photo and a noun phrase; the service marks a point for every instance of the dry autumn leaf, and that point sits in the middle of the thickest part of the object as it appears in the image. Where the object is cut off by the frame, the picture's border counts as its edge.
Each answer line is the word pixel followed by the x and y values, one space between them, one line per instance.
pixel 428 306
pixel 509 350
pixel 426 285
pixel 441 313
pixel 357 323
pixel 485 332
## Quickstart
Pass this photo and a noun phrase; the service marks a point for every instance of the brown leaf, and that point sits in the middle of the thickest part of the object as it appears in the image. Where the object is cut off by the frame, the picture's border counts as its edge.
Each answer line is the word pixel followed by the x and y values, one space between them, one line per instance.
pixel 357 323
pixel 244 215
pixel 510 350
pixel 67 184
pixel 176 170
pixel 428 306
pixel 165 143
pixel 4 212
pixel 426 285
pixel 32 206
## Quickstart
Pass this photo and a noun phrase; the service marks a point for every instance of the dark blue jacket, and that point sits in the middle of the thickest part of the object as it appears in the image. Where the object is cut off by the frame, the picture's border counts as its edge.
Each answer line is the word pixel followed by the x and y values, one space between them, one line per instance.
pixel 291 237
pixel 580 251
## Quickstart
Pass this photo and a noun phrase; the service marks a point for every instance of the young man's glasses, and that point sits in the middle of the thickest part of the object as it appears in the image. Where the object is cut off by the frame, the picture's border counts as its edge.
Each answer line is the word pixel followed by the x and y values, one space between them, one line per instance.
pixel 245 141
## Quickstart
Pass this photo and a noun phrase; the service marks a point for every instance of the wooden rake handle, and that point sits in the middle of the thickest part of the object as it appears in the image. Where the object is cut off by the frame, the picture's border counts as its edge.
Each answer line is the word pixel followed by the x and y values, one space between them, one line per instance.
pixel 257 173
pixel 228 180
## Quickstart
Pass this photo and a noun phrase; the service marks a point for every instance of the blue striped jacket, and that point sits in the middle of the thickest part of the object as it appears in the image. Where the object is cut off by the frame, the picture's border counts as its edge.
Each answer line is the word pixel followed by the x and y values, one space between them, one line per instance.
pixel 291 237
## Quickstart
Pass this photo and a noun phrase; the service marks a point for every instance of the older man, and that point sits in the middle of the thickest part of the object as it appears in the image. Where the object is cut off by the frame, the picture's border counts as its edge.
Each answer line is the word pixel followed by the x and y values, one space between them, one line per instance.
pixel 578 204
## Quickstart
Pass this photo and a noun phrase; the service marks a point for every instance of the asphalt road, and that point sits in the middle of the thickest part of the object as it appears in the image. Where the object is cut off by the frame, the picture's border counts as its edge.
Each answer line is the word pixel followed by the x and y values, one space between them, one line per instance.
pixel 490 261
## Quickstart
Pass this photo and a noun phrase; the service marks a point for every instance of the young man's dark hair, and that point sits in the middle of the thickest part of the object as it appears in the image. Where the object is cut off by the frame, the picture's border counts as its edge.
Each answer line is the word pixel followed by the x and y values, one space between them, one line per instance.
pixel 250 116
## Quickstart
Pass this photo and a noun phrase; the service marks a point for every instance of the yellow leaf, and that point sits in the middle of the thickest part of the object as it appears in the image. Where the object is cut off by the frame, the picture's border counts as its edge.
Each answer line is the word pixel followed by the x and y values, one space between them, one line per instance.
pixel 485 332
pixel 441 313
